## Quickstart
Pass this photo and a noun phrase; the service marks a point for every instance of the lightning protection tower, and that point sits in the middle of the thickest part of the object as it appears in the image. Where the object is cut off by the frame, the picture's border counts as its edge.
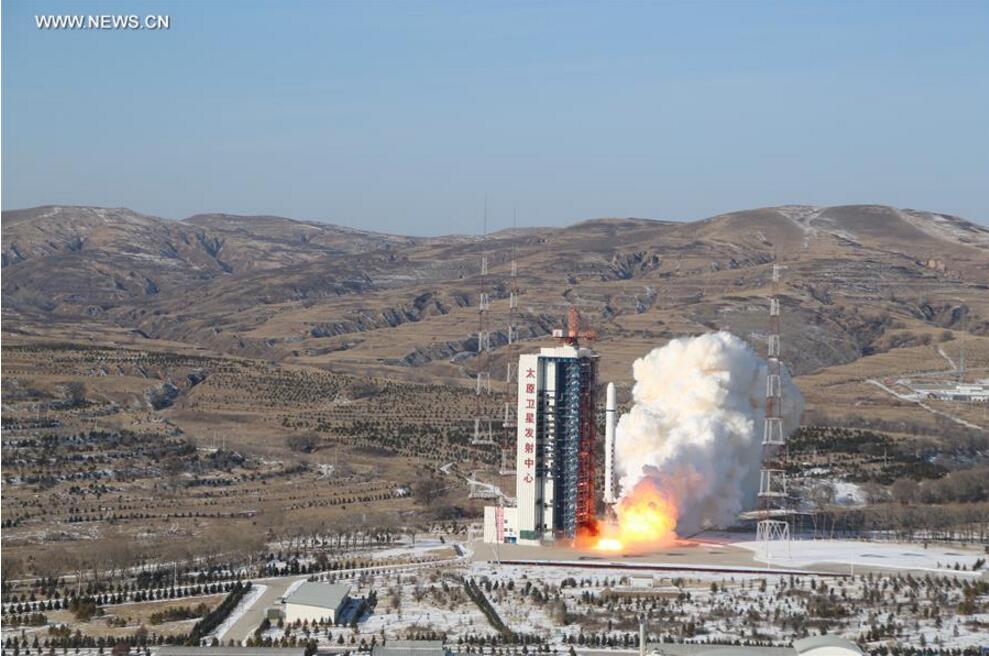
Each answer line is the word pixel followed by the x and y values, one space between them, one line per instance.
pixel 483 433
pixel 772 528
pixel 511 369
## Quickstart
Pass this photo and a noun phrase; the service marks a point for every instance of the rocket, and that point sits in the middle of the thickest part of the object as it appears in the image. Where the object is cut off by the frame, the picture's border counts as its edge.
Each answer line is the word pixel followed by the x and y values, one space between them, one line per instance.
pixel 610 409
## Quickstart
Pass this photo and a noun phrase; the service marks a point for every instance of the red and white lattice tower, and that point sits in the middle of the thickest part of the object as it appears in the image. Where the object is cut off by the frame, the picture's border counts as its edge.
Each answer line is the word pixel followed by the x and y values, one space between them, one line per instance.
pixel 483 435
pixel 773 529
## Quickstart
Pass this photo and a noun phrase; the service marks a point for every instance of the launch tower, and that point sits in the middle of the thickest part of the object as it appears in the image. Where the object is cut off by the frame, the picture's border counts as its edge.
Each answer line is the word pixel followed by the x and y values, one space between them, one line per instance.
pixel 555 436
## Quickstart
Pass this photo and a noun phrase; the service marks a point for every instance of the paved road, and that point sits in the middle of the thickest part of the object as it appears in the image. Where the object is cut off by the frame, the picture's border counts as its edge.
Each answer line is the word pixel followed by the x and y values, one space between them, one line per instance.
pixel 252 617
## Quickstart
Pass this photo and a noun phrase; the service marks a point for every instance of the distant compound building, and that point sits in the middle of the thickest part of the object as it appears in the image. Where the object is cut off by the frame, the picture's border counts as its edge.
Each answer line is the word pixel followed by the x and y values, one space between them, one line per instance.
pixel 964 392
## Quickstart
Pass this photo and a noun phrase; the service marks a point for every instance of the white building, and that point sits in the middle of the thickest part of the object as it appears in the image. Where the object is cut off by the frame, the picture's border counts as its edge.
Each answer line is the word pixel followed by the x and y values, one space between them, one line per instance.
pixel 500 524
pixel 554 449
pixel 314 602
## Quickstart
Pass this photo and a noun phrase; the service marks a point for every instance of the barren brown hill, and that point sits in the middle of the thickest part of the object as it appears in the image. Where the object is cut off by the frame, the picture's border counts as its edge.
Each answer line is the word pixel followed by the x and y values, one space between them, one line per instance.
pixel 860 280
pixel 282 241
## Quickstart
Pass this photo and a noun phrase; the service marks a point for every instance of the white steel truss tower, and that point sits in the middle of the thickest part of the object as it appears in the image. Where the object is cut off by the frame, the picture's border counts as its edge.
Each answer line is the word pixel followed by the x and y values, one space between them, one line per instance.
pixel 511 369
pixel 773 529
pixel 483 433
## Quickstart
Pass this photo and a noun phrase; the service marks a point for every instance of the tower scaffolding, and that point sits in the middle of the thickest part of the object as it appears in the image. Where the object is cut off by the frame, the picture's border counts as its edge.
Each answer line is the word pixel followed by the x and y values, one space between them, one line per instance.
pixel 772 528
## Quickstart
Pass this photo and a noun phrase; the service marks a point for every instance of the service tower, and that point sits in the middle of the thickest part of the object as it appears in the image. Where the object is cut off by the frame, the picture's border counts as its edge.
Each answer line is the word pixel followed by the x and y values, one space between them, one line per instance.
pixel 555 439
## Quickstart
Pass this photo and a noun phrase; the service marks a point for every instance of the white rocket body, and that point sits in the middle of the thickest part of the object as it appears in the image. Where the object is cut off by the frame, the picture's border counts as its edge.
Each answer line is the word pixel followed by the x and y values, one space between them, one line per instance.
pixel 610 417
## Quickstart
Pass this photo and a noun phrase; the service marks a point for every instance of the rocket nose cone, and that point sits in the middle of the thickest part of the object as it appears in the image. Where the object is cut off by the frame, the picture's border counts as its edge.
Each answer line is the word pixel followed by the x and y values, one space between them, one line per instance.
pixel 612 397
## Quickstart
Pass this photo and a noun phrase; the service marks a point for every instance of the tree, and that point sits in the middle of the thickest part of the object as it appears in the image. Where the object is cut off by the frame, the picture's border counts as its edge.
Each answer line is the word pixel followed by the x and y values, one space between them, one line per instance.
pixel 76 391
pixel 428 490
pixel 904 490
pixel 303 443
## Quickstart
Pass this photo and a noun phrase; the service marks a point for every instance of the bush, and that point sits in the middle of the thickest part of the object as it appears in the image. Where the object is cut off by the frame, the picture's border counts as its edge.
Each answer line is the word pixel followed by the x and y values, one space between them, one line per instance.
pixel 179 613
pixel 305 443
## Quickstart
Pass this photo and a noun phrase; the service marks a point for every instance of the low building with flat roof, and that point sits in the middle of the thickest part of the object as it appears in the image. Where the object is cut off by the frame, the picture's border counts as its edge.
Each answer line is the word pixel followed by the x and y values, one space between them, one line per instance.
pixel 315 602
pixel 411 648
pixel 173 650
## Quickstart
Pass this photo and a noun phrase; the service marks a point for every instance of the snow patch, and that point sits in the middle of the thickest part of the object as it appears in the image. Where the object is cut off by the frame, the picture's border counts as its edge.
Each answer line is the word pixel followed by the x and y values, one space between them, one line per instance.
pixel 245 604
pixel 804 553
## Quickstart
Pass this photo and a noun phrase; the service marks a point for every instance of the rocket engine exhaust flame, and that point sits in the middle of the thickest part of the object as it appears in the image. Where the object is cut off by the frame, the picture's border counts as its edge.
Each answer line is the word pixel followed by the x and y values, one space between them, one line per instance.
pixel 647 517
pixel 688 452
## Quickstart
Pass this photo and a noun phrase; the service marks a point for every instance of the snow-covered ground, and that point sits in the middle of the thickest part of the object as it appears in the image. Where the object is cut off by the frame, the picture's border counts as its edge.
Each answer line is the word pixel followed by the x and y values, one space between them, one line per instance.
pixel 848 494
pixel 292 588
pixel 843 493
pixel 804 553
pixel 249 600
pixel 422 547
pixel 559 603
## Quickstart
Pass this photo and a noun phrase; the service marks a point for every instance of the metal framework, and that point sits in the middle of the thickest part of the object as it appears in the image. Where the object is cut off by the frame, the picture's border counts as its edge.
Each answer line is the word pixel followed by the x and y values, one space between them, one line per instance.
pixel 577 433
pixel 772 531
pixel 586 515
pixel 774 536
pixel 513 288
pixel 479 489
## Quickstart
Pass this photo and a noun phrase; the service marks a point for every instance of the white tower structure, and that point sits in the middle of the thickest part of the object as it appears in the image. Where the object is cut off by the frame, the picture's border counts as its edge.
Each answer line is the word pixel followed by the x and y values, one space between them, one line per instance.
pixel 772 529
pixel 610 410
pixel 554 489
pixel 508 422
pixel 483 435
pixel 555 438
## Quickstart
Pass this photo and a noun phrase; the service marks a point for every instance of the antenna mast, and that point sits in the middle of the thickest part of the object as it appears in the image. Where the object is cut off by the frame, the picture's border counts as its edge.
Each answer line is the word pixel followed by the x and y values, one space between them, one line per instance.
pixel 482 423
pixel 772 527
pixel 511 369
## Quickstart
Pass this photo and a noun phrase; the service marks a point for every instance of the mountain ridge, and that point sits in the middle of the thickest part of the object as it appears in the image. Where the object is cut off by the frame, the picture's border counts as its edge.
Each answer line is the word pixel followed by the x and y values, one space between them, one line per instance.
pixel 859 277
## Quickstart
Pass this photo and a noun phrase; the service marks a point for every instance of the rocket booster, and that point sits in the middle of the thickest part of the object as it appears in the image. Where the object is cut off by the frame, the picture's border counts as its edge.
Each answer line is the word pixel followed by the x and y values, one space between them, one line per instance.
pixel 610 410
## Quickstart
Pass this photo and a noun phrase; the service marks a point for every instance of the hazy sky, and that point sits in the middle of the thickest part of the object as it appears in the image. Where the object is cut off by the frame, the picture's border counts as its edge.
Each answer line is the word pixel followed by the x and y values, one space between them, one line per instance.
pixel 400 116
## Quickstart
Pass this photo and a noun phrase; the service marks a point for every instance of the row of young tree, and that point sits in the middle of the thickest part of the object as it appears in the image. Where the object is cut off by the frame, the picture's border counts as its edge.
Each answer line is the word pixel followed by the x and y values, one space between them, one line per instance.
pixel 967 522
pixel 112 598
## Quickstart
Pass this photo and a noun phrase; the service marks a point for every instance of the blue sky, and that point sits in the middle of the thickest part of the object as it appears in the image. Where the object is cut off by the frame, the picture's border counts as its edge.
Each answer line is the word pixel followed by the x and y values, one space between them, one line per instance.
pixel 401 116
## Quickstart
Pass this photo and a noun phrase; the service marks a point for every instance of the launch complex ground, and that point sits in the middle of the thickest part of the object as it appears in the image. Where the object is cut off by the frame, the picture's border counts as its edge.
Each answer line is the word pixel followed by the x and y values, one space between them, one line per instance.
pixel 684 557
pixel 728 554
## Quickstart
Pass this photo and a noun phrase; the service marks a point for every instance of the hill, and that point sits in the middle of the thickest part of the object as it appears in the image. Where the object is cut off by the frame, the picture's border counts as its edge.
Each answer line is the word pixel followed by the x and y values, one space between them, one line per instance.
pixel 860 280
pixel 239 372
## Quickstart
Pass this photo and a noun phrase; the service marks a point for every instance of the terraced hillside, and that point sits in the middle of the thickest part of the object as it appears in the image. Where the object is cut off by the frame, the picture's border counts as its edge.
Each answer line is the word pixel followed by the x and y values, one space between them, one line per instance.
pixel 167 381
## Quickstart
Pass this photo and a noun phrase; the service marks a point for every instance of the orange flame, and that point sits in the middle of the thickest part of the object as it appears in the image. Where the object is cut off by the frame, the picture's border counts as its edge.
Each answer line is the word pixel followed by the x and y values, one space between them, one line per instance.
pixel 647 517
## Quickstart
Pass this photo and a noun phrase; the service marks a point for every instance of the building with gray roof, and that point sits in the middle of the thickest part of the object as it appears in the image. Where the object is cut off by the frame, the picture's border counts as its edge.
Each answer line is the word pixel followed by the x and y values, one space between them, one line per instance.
pixel 411 648
pixel 315 602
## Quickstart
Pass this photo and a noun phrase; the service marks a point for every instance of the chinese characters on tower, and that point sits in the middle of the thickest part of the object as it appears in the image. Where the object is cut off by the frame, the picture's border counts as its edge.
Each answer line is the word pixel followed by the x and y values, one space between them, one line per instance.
pixel 529 445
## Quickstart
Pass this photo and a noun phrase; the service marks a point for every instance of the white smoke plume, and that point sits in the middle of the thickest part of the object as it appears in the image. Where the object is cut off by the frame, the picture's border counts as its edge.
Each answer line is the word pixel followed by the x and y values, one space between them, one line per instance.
pixel 695 429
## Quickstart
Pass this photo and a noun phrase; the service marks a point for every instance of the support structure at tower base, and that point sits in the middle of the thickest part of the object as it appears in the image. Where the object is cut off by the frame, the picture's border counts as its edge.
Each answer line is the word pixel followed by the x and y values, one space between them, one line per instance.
pixel 773 536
